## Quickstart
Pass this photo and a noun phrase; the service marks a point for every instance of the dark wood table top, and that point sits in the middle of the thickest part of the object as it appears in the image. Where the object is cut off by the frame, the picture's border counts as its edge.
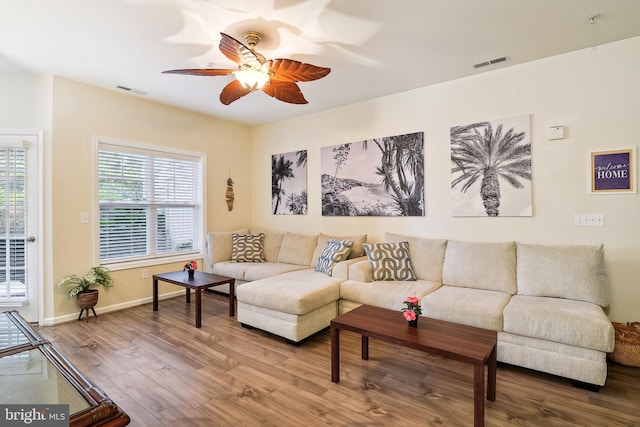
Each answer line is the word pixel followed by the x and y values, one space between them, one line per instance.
pixel 200 279
pixel 460 342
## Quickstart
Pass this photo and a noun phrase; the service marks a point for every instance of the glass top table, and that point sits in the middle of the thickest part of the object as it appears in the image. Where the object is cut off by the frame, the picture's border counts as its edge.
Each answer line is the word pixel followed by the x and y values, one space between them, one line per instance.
pixel 34 372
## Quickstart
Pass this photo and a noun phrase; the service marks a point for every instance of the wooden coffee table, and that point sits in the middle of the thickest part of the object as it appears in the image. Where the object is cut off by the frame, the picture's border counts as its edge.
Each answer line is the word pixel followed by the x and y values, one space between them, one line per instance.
pixel 199 282
pixel 459 342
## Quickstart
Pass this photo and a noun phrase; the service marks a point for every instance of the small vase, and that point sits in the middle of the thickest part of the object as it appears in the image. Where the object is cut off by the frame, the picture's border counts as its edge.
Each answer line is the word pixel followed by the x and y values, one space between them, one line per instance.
pixel 191 273
pixel 413 323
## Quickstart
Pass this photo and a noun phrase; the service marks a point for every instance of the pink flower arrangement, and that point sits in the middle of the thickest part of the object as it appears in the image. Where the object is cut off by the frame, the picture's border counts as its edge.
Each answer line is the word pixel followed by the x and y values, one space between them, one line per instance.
pixel 191 265
pixel 412 309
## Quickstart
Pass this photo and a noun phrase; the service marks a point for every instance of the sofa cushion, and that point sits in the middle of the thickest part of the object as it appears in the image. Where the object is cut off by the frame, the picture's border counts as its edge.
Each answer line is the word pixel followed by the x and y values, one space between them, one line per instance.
pixel 230 269
pixel 575 272
pixel 480 265
pixel 247 247
pixel 297 249
pixel 389 261
pixel 249 271
pixel 298 292
pixel 427 255
pixel 263 270
pixel 473 307
pixel 565 321
pixel 356 250
pixel 272 243
pixel 219 245
pixel 334 252
pixel 387 294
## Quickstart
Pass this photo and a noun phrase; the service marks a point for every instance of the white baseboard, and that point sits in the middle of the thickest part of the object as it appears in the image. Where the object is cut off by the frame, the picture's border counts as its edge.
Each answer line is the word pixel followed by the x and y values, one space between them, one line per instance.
pixel 50 321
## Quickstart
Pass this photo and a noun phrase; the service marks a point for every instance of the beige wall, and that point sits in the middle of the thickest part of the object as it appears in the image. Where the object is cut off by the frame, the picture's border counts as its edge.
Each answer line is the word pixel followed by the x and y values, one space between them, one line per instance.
pixel 595 93
pixel 82 112
pixel 25 102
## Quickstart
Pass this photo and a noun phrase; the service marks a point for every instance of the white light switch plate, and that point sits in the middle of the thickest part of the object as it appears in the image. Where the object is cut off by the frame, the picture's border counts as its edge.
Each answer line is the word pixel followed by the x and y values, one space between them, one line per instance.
pixel 589 220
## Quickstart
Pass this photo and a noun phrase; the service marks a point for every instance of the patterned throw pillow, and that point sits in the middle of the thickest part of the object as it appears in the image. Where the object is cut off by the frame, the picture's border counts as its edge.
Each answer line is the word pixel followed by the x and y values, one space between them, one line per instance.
pixel 247 247
pixel 389 261
pixel 334 252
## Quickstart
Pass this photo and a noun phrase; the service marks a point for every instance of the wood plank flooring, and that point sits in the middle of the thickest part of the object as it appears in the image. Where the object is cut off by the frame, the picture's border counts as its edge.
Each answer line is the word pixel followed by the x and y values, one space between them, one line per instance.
pixel 164 372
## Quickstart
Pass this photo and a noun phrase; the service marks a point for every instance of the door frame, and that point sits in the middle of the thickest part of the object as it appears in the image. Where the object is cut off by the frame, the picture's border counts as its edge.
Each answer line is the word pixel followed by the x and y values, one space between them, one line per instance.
pixel 38 134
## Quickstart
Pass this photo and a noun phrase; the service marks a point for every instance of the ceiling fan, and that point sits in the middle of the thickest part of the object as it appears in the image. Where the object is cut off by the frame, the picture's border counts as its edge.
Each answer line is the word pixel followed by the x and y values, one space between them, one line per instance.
pixel 275 77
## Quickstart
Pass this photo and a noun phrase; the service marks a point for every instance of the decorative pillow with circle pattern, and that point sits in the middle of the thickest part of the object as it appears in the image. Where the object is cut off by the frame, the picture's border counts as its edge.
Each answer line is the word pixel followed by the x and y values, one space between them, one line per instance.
pixel 247 247
pixel 334 252
pixel 389 261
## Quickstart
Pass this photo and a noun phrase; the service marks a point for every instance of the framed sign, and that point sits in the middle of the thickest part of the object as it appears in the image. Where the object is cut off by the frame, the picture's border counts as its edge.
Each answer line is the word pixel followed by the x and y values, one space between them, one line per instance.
pixel 613 171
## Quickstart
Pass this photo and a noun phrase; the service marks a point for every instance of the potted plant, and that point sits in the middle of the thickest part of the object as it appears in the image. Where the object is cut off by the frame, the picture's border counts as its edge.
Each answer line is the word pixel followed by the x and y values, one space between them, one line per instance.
pixel 412 310
pixel 87 298
pixel 190 268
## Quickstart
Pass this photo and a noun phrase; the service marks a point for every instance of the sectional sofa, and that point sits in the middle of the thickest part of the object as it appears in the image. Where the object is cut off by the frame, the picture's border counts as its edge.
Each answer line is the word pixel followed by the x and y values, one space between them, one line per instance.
pixel 547 302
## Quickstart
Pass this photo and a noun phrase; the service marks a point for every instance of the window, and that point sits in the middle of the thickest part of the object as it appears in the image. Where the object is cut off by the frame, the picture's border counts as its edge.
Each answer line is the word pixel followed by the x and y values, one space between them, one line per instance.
pixel 150 202
pixel 13 220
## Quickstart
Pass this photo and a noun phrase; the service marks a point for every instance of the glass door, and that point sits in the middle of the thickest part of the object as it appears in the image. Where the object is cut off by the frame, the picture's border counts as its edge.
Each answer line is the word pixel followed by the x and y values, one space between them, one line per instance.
pixel 19 276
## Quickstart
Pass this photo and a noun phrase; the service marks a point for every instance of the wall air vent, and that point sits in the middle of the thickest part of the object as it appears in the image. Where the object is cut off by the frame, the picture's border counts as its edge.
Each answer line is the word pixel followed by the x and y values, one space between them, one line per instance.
pixel 491 62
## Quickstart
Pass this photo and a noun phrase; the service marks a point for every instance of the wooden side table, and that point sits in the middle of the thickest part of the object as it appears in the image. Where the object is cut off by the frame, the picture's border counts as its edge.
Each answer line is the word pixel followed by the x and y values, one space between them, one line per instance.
pixel 199 282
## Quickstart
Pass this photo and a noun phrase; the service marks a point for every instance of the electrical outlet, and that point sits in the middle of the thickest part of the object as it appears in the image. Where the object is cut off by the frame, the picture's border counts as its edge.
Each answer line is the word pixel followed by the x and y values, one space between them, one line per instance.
pixel 589 220
pixel 145 274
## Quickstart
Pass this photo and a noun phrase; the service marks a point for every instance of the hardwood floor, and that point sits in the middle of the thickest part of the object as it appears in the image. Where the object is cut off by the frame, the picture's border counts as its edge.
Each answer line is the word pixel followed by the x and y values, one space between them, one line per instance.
pixel 164 372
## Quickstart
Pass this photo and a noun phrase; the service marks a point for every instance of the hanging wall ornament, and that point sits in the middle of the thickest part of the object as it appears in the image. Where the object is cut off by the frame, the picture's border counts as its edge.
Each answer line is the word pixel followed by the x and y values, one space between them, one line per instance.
pixel 229 194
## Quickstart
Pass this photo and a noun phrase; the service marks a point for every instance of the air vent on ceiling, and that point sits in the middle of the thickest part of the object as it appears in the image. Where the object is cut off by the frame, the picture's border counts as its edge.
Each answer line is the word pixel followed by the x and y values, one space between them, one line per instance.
pixel 491 62
pixel 128 89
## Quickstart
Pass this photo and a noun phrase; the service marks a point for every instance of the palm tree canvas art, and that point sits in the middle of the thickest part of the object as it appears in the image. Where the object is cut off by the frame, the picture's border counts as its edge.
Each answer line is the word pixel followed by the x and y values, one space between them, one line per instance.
pixel 491 168
pixel 289 183
pixel 375 177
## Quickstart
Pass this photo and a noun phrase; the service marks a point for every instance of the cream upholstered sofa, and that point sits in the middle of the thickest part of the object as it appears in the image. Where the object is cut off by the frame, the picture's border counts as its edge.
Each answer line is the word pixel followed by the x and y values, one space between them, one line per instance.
pixel 283 293
pixel 545 301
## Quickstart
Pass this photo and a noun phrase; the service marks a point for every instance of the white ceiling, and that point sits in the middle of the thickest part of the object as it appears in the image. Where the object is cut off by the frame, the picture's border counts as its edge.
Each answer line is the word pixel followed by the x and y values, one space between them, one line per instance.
pixel 374 47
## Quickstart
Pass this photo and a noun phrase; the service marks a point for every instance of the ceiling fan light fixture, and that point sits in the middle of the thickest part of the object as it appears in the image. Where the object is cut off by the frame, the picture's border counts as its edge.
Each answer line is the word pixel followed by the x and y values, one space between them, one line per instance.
pixel 275 77
pixel 252 79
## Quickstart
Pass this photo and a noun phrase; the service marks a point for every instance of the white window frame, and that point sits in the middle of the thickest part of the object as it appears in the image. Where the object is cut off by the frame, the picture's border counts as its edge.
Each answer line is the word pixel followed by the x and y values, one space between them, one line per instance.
pixel 160 151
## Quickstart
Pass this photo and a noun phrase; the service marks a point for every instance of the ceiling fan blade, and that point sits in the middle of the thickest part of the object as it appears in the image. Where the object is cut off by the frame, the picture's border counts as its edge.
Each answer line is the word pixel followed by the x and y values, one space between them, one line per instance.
pixel 200 72
pixel 238 52
pixel 285 91
pixel 289 70
pixel 232 92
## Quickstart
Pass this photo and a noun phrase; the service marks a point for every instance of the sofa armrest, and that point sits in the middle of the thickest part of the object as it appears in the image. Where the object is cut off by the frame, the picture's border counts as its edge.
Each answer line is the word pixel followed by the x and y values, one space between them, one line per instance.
pixel 341 269
pixel 361 270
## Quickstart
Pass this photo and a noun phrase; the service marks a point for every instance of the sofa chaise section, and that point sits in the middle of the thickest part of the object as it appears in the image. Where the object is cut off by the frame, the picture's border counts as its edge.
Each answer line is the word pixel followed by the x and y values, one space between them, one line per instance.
pixel 293 305
pixel 281 292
